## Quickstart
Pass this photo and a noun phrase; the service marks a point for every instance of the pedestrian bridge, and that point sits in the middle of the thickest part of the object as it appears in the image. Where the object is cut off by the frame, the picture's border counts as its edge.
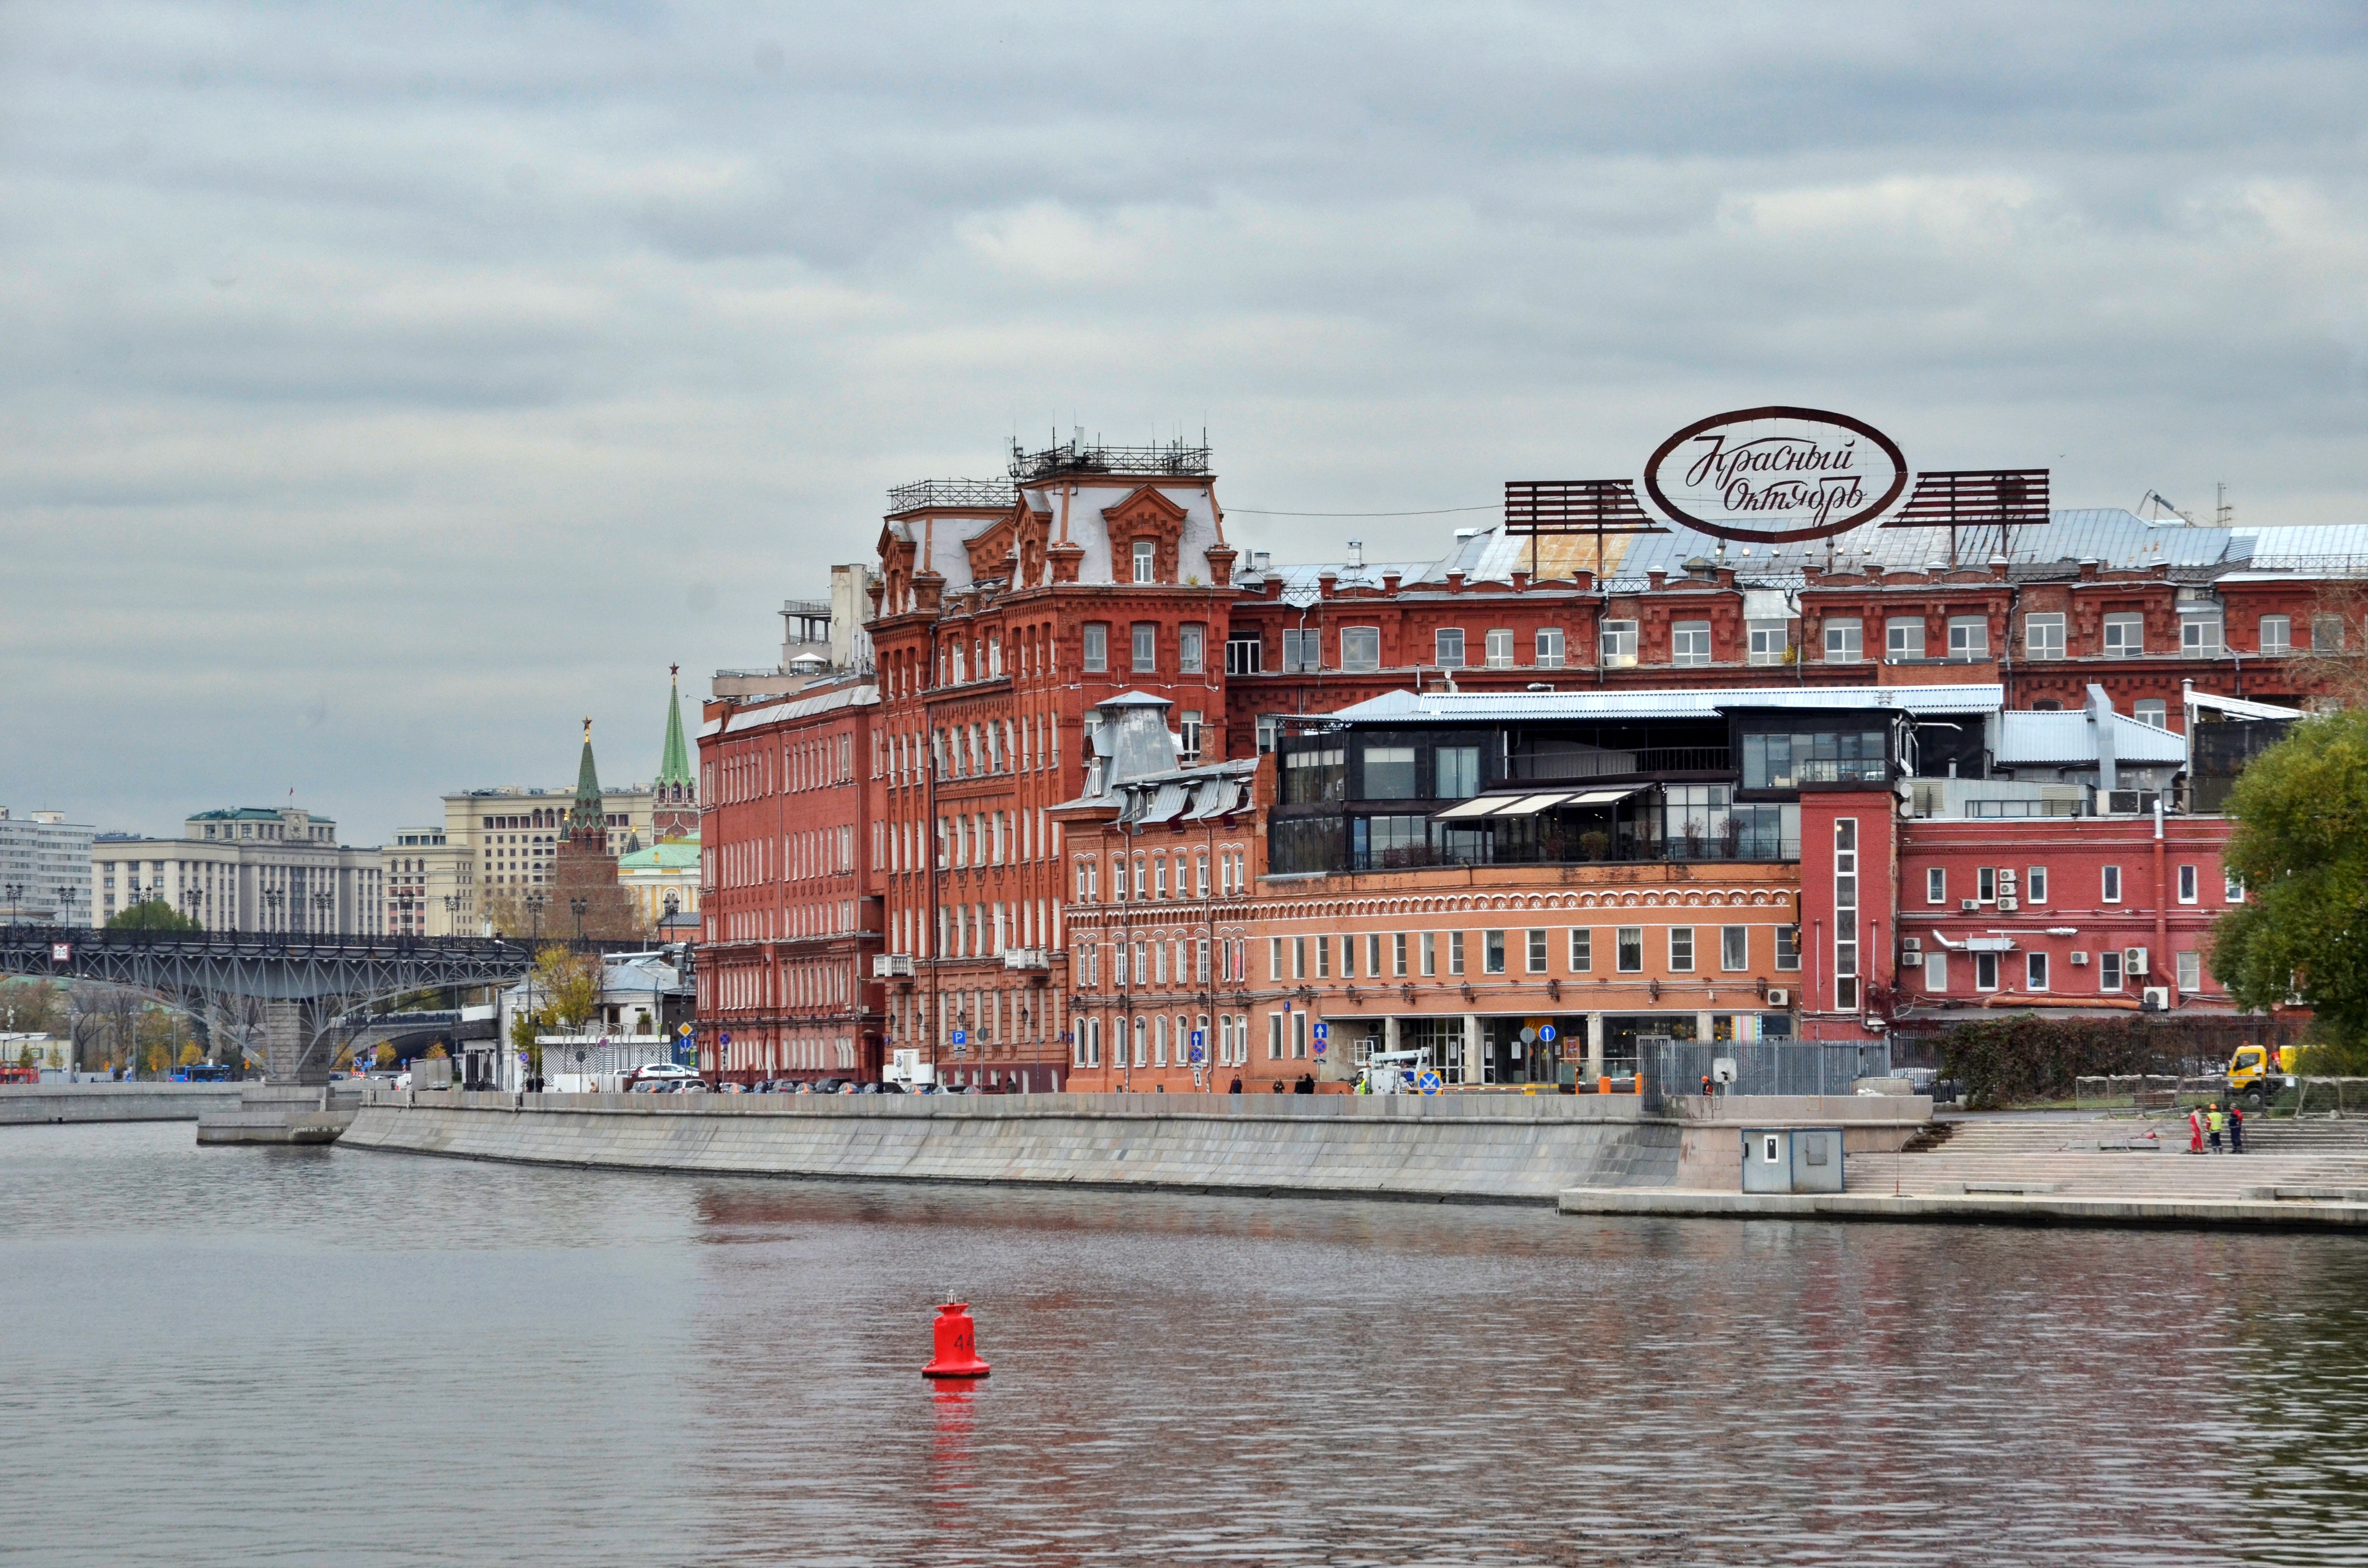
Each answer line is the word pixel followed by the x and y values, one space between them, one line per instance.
pixel 286 992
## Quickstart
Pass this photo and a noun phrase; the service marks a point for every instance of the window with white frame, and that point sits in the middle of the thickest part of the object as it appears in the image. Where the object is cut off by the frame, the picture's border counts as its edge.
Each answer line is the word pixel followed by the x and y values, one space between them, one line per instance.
pixel 1244 654
pixel 1985 971
pixel 1190 644
pixel 1619 645
pixel 1301 649
pixel 2326 633
pixel 1190 731
pixel 1734 947
pixel 2188 882
pixel 2151 710
pixel 2199 632
pixel 1582 950
pixel 2110 884
pixel 1936 885
pixel 2124 636
pixel 1788 946
pixel 1846 913
pixel 1770 641
pixel 1097 657
pixel 1628 956
pixel 1147 648
pixel 1361 648
pixel 2035 884
pixel 1536 953
pixel 2277 635
pixel 1936 972
pixel 1548 647
pixel 1499 646
pixel 1845 641
pixel 2034 971
pixel 2109 970
pixel 2232 889
pixel 2191 971
pixel 1447 647
pixel 1690 642
pixel 1147 561
pixel 1903 637
pixel 2043 636
pixel 1969 637
pixel 1681 949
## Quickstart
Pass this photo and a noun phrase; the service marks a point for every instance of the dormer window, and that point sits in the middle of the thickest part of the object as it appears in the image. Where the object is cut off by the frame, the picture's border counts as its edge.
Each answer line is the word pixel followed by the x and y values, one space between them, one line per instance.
pixel 1147 561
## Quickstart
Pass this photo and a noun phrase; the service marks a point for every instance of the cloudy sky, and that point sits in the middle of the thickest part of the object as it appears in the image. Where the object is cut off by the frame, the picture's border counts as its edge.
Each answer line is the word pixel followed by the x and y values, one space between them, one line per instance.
pixel 384 387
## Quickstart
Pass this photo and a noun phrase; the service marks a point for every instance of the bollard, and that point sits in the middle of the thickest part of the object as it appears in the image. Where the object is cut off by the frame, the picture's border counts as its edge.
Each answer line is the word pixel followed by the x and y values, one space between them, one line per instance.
pixel 1640 1083
pixel 957 1344
pixel 1603 1085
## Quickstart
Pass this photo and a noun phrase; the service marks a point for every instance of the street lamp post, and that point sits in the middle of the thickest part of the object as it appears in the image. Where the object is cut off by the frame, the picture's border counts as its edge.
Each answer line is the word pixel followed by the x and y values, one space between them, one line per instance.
pixel 16 902
pixel 451 914
pixel 579 906
pixel 321 901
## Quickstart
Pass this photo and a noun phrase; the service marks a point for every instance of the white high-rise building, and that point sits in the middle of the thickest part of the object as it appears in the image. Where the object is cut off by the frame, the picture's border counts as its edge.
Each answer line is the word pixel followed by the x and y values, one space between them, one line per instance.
pixel 246 868
pixel 44 868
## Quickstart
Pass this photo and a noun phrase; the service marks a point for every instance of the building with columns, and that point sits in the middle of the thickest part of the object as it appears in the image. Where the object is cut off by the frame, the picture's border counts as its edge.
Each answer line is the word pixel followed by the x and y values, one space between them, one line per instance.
pixel 244 868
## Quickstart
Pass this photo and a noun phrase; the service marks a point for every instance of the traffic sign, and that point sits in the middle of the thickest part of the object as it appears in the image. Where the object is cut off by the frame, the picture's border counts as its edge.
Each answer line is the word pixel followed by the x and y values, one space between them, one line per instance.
pixel 1195 1057
pixel 1323 1029
pixel 684 1031
pixel 723 1040
pixel 962 1037
pixel 1429 1082
pixel 1546 1033
pixel 1198 1039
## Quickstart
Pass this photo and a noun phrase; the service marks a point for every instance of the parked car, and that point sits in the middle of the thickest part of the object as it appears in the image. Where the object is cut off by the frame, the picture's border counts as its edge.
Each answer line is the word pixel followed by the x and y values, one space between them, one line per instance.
pixel 829 1086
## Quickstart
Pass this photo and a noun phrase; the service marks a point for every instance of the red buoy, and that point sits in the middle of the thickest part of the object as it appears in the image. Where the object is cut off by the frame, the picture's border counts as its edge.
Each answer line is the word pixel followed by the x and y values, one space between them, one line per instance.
pixel 957 1344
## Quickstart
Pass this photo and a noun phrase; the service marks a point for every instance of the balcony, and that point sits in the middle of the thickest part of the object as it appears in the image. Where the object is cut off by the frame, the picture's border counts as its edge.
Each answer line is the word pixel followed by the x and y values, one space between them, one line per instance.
pixel 1552 850
pixel 1650 762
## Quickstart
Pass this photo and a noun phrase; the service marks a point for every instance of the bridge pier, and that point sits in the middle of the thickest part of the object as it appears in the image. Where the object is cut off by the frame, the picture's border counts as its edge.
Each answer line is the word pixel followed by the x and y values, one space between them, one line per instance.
pixel 287 1047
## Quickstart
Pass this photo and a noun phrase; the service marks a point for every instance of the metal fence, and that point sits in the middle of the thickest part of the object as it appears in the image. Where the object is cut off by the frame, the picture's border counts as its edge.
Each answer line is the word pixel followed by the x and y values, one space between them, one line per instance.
pixel 1761 1067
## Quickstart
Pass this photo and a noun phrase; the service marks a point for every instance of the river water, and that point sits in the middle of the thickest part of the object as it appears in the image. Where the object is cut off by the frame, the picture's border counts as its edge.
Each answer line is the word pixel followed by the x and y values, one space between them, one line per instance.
pixel 343 1357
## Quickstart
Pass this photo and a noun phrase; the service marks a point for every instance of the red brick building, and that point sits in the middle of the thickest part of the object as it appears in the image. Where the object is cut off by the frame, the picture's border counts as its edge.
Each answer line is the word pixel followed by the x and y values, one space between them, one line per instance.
pixel 790 906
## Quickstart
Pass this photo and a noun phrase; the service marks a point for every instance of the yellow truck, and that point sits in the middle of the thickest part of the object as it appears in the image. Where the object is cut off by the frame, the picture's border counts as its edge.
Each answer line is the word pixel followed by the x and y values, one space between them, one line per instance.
pixel 2258 1072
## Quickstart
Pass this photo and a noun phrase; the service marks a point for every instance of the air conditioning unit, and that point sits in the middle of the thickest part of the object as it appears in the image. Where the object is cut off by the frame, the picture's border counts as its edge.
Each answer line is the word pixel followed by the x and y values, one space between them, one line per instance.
pixel 2154 999
pixel 1779 998
pixel 2006 879
pixel 892 966
pixel 1911 944
pixel 1970 906
pixel 2008 904
pixel 2080 960
pixel 2134 961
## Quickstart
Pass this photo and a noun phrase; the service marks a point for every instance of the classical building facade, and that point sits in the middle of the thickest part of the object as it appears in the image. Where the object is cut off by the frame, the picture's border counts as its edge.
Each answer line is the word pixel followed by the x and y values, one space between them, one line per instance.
pixel 244 868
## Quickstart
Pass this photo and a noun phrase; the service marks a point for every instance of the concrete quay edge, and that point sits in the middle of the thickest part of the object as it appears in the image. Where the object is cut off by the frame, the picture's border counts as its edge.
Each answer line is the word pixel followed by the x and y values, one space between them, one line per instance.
pixel 1967 1208
pixel 49 1104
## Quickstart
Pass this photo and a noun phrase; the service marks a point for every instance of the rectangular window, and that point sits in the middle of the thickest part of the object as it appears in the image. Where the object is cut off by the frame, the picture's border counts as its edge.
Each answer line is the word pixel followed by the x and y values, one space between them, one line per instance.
pixel 1537 953
pixel 1500 648
pixel 1903 637
pixel 2232 886
pixel 1398 955
pixel 1734 947
pixel 1299 957
pixel 1302 652
pixel 1324 957
pixel 1492 952
pixel 1146 647
pixel 1969 637
pixel 1190 729
pixel 2109 970
pixel 1548 647
pixel 2191 971
pixel 1936 972
pixel 1844 643
pixel 1389 773
pixel 2124 636
pixel 1455 952
pixel 1274 1036
pixel 1936 885
pixel 1681 949
pixel 2151 710
pixel 1788 946
pixel 1097 648
pixel 1986 885
pixel 1429 952
pixel 1772 641
pixel 2326 633
pixel 1299 1036
pixel 1274 957
pixel 1985 971
pixel 1447 647
pixel 1846 913
pixel 1373 958
pixel 1629 952
pixel 1619 643
pixel 1245 655
pixel 1361 648
pixel 2199 635
pixel 1690 642
pixel 2112 884
pixel 2277 635
pixel 2035 884
pixel 1190 644
pixel 2043 636
pixel 2188 892
pixel 2034 971
pixel 1147 561
pixel 1456 772
pixel 1582 950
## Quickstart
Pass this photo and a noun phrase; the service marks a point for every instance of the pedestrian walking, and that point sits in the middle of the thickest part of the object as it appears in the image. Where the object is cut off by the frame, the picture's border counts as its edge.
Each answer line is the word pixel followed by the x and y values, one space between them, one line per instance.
pixel 2235 1130
pixel 2195 1131
pixel 2215 1122
pixel 1238 1085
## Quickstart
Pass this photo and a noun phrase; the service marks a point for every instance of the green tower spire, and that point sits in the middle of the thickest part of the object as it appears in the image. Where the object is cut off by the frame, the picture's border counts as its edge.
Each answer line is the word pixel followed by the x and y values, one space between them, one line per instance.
pixel 674 762
pixel 589 815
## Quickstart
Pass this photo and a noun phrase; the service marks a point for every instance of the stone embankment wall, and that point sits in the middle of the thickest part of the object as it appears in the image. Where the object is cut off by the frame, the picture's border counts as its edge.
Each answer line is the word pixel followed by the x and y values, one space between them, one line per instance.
pixel 25 1103
pixel 1499 1148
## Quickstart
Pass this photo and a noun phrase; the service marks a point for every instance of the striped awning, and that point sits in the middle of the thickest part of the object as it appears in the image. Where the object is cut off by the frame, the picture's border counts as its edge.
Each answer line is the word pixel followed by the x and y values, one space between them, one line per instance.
pixel 1529 804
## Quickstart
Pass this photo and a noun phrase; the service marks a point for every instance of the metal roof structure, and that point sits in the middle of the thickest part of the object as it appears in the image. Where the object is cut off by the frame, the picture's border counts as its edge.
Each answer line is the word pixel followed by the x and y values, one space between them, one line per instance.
pixel 855 694
pixel 1583 707
pixel 2069 739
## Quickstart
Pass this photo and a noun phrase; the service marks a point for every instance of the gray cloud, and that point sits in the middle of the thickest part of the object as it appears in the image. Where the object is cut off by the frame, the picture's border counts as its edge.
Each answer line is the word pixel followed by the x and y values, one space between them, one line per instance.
pixel 383 388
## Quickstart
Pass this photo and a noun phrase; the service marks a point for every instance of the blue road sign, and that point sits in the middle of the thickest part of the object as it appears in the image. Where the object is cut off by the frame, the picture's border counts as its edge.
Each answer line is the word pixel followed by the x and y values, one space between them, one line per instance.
pixel 1546 1033
pixel 1198 1039
pixel 723 1040
pixel 1428 1082
pixel 1323 1029
pixel 962 1037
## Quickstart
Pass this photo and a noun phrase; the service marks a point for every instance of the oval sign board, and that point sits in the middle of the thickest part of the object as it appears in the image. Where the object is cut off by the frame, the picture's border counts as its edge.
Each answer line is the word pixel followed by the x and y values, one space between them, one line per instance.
pixel 1775 475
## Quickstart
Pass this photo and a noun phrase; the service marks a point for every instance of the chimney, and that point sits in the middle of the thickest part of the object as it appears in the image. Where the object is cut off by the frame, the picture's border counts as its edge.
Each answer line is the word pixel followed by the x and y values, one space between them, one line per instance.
pixel 1521 581
pixel 1997 568
pixel 1727 576
pixel 1390 582
pixel 1326 581
pixel 1655 581
pixel 1583 580
pixel 1273 585
pixel 1455 581
pixel 2089 570
pixel 1356 553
